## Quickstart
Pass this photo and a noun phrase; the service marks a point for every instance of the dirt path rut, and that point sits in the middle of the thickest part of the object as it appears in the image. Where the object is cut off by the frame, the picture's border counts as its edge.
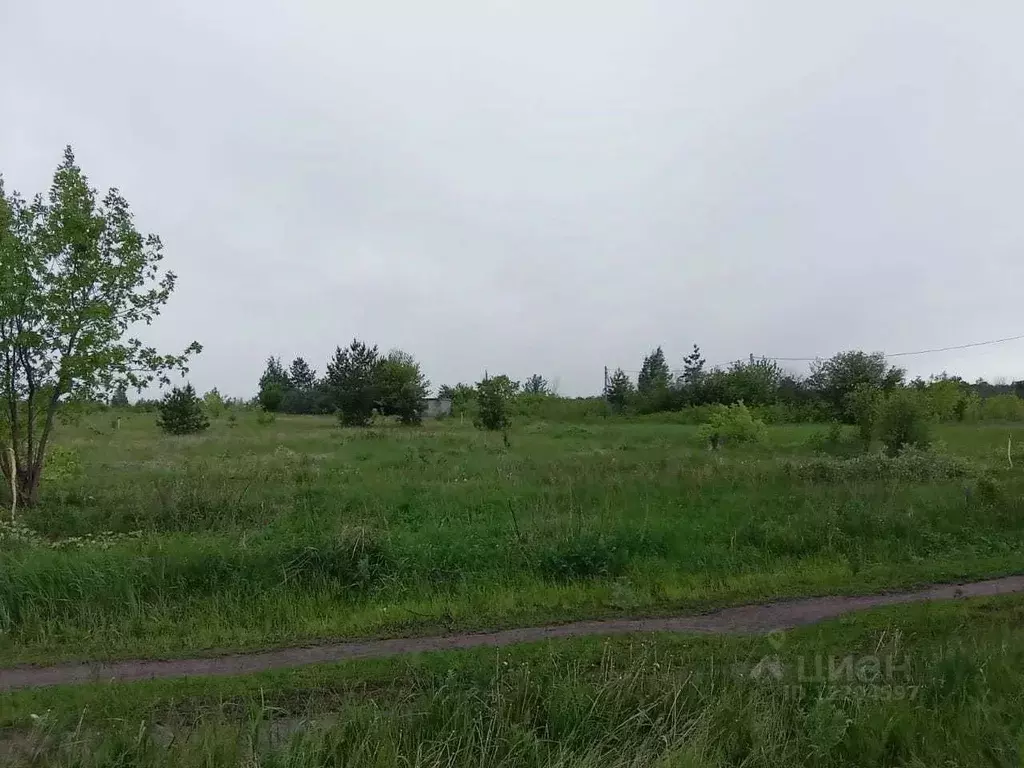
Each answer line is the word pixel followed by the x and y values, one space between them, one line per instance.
pixel 746 619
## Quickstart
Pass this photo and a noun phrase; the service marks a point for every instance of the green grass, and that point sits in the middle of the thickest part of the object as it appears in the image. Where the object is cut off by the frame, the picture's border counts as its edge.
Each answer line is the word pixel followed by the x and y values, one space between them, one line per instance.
pixel 924 685
pixel 262 535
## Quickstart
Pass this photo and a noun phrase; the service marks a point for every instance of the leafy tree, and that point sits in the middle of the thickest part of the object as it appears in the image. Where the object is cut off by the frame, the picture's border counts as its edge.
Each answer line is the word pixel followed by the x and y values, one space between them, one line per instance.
pixel 214 403
pixel 834 379
pixel 274 385
pixel 76 275
pixel 754 381
pixel 619 391
pixel 181 412
pixel 944 398
pixel 493 396
pixel 536 385
pixel 301 376
pixel 352 382
pixel 120 397
pixel 401 387
pixel 461 395
pixel 654 373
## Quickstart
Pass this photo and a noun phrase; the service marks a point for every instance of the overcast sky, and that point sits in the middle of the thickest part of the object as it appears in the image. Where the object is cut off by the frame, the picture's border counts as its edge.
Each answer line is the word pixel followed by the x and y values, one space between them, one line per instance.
pixel 546 187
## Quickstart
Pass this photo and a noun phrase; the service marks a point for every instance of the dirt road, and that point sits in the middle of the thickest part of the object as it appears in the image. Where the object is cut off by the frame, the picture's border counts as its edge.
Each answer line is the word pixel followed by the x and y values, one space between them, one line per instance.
pixel 747 619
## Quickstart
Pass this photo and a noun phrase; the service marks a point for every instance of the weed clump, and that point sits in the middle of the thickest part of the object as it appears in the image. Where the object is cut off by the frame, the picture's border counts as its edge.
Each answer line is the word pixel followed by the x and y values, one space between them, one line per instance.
pixel 910 464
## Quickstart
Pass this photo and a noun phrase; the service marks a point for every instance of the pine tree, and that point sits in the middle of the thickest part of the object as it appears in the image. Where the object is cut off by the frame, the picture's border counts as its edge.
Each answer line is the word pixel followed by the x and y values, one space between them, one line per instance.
pixel 352 382
pixel 654 373
pixel 536 385
pixel 301 376
pixel 274 385
pixel 619 390
pixel 693 367
pixel 120 397
pixel 181 412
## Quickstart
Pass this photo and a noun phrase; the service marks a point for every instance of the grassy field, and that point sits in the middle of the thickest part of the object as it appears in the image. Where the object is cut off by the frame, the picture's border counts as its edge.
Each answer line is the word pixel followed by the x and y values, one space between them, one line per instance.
pixel 923 685
pixel 257 535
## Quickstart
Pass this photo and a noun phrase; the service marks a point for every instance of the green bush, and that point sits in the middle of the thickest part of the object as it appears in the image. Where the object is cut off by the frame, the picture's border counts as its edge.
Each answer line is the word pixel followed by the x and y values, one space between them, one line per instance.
pixel 1007 407
pixel 863 406
pixel 732 424
pixel 911 464
pixel 62 463
pixel 493 396
pixel 181 412
pixel 904 418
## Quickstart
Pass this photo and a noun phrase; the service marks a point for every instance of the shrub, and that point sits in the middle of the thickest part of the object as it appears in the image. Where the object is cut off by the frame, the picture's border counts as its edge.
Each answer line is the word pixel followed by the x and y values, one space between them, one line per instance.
pixel 214 403
pixel 831 440
pixel 263 418
pixel 732 423
pixel 493 395
pixel 181 412
pixel 62 463
pixel 911 464
pixel 862 408
pixel 904 418
pixel 1006 407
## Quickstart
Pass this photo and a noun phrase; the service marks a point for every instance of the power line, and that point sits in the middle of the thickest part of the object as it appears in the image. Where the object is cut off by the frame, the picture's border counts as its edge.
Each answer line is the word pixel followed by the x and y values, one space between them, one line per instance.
pixel 892 354
pixel 915 352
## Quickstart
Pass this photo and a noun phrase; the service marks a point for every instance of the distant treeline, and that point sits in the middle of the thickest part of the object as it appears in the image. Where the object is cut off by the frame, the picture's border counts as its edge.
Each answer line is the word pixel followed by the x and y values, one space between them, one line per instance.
pixel 360 381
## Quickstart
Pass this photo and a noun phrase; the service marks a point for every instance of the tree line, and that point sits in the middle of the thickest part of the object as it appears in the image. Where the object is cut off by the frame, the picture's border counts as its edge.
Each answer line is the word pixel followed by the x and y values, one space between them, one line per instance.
pixel 358 381
pixel 829 391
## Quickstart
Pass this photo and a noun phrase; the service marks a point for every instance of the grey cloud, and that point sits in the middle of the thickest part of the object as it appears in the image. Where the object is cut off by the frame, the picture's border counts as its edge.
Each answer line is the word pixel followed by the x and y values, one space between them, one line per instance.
pixel 546 187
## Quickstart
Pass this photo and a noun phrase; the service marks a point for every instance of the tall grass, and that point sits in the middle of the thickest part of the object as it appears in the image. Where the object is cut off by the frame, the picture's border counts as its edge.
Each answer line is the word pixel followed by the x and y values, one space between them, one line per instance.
pixel 331 527
pixel 953 698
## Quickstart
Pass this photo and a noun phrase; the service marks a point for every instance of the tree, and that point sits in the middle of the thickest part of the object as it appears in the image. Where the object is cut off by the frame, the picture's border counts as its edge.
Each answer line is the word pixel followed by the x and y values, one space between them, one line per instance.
pixel 181 412
pixel 754 381
pixel 461 395
pixel 654 373
pixel 401 387
pixel 837 377
pixel 77 275
pixel 619 390
pixel 214 403
pixel 536 385
pixel 301 376
pixel 274 385
pixel 352 382
pixel 120 397
pixel 693 367
pixel 493 395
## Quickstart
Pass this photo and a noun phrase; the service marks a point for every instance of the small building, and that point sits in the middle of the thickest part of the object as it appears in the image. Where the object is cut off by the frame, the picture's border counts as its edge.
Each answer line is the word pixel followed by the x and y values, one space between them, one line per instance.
pixel 437 407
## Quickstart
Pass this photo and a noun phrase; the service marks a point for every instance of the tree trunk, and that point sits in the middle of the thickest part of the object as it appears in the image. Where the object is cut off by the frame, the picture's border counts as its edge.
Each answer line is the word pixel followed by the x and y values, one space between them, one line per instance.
pixel 28 486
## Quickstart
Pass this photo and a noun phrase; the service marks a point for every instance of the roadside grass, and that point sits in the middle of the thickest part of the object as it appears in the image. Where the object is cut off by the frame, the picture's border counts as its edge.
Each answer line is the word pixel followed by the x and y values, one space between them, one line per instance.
pixel 258 535
pixel 920 685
